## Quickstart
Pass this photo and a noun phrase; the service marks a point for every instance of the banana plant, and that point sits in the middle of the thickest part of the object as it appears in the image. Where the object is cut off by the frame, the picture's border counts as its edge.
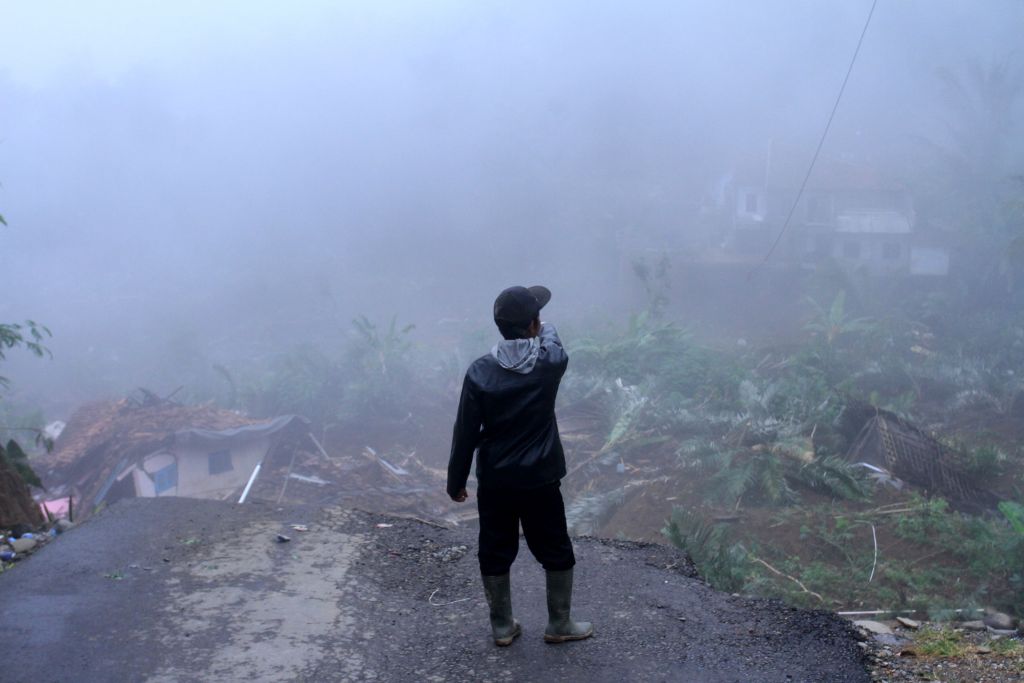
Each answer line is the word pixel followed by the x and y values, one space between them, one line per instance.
pixel 832 323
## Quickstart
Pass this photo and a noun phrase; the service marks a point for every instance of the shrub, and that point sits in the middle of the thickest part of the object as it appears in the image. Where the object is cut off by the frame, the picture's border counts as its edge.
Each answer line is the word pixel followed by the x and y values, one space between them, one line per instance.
pixel 723 564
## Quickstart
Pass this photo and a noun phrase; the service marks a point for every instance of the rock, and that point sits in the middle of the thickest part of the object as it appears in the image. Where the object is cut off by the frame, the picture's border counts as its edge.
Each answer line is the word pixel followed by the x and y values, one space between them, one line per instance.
pixel 23 545
pixel 983 650
pixel 889 639
pixel 451 553
pixel 999 620
pixel 978 625
pixel 909 623
pixel 63 524
pixel 876 627
pixel 281 538
pixel 1001 632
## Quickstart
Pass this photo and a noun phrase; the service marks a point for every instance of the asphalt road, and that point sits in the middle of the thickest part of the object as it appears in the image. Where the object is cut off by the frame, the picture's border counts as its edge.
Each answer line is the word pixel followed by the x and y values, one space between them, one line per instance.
pixel 186 590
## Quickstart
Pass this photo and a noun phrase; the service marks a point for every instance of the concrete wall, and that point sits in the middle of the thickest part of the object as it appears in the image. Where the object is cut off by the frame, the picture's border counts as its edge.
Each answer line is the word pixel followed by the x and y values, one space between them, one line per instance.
pixel 877 254
pixel 192 464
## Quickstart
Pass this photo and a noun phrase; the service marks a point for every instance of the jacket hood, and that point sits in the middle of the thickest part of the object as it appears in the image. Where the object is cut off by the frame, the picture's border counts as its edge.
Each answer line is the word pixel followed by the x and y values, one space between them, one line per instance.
pixel 517 355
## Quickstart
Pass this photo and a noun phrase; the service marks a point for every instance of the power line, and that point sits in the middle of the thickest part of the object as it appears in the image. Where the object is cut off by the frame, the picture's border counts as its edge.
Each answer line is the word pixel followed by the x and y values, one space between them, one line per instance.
pixel 821 142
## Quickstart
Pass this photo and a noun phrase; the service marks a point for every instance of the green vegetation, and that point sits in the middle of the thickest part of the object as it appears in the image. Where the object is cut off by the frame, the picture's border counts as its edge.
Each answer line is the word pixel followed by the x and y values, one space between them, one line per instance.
pixel 370 382
pixel 1006 647
pixel 941 643
pixel 722 563
pixel 13 424
pixel 14 456
pixel 762 434
pixel 30 336
pixel 941 558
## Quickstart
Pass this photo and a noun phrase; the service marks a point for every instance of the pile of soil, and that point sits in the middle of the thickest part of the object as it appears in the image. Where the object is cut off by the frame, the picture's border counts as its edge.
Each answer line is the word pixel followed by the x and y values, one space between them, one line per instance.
pixel 17 507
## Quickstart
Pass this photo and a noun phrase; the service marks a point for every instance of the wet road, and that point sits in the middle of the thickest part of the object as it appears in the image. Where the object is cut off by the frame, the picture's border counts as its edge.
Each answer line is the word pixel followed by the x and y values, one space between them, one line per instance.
pixel 187 590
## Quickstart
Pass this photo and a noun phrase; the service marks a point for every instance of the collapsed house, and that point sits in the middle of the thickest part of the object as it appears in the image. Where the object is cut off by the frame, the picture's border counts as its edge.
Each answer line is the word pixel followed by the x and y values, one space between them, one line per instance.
pixel 154 447
pixel 120 449
pixel 899 451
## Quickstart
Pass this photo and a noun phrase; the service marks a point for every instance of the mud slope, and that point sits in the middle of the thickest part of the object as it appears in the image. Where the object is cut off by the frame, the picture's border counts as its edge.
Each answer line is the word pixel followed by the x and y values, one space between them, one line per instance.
pixel 186 590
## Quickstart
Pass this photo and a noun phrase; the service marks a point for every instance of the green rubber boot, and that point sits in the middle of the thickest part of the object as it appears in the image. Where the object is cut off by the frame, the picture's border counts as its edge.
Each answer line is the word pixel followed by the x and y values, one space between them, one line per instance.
pixel 498 590
pixel 561 627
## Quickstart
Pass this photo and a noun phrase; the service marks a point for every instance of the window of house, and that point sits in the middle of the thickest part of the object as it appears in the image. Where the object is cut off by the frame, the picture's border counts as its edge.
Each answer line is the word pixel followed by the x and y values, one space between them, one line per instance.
pixel 851 250
pixel 891 251
pixel 220 461
pixel 751 202
pixel 166 478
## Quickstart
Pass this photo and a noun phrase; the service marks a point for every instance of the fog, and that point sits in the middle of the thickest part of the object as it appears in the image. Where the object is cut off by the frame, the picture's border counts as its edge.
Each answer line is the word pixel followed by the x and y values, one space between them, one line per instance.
pixel 805 369
pixel 222 179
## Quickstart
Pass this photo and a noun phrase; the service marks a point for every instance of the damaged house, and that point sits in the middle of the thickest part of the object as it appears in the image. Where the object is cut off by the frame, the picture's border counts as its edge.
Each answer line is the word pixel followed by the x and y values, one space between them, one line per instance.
pixel 896 451
pixel 120 449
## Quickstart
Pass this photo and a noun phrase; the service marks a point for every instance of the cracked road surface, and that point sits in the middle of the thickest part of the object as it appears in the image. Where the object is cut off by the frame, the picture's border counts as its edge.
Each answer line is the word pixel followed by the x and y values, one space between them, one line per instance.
pixel 173 589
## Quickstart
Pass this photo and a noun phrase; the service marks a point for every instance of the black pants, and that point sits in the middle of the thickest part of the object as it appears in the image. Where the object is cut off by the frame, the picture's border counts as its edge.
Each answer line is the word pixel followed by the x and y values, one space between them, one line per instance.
pixel 542 513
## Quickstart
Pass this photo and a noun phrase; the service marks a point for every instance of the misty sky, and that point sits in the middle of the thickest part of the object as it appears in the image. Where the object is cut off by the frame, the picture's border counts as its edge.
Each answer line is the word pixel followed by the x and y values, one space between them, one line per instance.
pixel 230 170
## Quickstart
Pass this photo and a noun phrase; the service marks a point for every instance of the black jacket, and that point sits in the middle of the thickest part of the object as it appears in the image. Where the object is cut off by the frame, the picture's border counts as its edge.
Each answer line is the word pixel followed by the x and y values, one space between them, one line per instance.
pixel 510 417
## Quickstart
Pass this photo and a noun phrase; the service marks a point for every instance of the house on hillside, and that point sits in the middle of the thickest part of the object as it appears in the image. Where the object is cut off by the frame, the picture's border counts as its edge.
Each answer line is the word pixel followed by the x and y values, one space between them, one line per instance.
pixel 850 213
pixel 120 449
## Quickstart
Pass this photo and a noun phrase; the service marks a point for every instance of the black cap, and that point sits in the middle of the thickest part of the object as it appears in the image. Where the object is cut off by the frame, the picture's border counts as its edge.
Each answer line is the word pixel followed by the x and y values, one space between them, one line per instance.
pixel 519 306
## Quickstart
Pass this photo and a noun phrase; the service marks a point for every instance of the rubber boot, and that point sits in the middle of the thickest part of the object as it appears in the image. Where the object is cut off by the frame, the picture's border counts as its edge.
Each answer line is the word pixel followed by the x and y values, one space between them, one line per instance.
pixel 561 627
pixel 498 590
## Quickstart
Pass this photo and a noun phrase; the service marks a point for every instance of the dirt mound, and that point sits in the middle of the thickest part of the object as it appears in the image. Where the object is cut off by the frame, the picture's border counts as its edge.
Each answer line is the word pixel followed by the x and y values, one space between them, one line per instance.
pixel 16 503
pixel 119 427
pixel 394 482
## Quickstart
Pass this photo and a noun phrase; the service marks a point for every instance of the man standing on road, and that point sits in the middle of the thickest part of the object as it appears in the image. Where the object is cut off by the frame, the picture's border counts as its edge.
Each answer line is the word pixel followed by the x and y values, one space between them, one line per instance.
pixel 507 414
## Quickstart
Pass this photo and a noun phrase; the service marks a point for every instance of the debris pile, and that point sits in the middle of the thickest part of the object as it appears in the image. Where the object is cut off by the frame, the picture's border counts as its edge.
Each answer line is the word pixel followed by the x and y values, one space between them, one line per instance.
pixel 151 446
pixel 982 645
pixel 19 541
pixel 401 484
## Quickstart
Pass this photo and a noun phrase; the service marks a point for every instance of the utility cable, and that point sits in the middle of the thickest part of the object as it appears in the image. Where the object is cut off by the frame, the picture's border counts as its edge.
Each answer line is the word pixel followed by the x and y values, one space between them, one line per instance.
pixel 821 142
